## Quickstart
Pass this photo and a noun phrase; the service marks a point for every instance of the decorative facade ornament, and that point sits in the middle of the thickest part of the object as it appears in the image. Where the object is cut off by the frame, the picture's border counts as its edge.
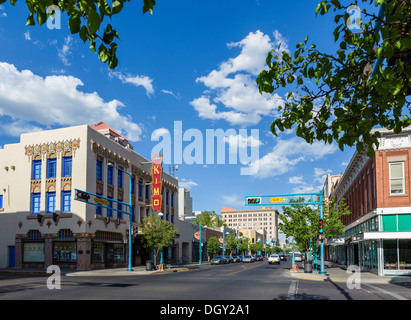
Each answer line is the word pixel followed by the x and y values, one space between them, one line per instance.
pixel 52 148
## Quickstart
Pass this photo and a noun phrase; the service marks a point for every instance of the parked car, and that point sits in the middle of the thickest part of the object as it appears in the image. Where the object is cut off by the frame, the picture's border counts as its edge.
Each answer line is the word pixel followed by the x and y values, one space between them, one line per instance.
pixel 258 257
pixel 218 260
pixel 229 259
pixel 241 258
pixel 236 258
pixel 283 257
pixel 248 259
pixel 298 257
pixel 274 258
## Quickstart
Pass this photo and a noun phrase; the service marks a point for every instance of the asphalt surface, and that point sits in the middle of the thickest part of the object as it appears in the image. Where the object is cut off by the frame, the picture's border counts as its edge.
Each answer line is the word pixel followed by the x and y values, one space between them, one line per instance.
pixel 239 282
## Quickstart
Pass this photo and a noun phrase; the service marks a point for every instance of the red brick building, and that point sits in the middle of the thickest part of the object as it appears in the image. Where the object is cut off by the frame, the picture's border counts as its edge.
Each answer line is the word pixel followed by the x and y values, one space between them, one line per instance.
pixel 378 193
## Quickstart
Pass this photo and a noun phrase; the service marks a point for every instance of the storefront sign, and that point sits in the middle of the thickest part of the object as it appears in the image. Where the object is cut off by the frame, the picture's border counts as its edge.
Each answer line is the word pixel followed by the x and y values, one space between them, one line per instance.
pixel 156 183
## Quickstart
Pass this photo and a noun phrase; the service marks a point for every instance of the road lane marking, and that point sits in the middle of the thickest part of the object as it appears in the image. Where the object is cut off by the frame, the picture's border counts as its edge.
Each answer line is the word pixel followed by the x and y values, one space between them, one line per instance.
pixel 292 290
pixel 396 296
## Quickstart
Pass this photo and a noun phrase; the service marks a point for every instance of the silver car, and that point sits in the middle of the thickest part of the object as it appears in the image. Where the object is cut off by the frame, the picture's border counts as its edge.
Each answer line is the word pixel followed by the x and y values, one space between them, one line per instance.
pixel 248 259
pixel 298 257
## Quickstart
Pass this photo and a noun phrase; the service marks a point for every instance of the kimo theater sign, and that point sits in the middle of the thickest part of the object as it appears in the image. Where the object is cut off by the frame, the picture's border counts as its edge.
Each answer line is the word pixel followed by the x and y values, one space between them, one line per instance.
pixel 157 170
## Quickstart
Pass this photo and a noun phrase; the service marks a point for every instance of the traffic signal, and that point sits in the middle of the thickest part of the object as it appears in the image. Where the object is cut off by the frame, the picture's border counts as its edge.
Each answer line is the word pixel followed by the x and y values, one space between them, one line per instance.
pixel 321 225
pixel 82 195
pixel 256 200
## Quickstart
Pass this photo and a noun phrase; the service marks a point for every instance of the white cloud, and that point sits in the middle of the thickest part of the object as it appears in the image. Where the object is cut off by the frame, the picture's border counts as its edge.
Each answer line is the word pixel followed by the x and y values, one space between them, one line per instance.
pixel 159 133
pixel 64 51
pixel 54 101
pixel 187 184
pixel 2 12
pixel 138 81
pixel 295 180
pixel 171 93
pixel 238 141
pixel 27 35
pixel 233 84
pixel 287 154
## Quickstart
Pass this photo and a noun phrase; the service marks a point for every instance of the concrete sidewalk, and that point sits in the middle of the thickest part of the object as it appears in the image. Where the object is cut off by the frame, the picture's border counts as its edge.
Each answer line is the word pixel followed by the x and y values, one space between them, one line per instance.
pixel 137 270
pixel 339 273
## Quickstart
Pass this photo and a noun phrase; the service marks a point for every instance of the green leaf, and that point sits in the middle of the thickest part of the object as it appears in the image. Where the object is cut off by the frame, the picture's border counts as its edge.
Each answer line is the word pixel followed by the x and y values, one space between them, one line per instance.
pixel 148 6
pixel 102 53
pixel 117 6
pixel 93 22
pixel 93 46
pixel 84 33
pixel 30 20
pixel 74 24
pixel 41 17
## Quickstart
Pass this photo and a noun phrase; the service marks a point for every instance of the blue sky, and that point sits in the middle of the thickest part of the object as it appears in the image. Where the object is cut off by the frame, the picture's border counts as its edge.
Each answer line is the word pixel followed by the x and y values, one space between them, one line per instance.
pixel 191 61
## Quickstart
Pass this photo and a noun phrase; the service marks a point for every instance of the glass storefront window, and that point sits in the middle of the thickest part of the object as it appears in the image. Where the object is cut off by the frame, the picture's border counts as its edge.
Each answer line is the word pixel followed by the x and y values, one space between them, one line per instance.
pixel 405 253
pixel 97 252
pixel 65 251
pixel 33 252
pixel 115 252
pixel 390 254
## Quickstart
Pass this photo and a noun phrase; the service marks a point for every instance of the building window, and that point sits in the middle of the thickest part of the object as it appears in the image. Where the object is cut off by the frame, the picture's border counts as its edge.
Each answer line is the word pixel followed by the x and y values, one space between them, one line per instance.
pixel 172 199
pixel 140 188
pixel 66 201
pixel 1 201
pixel 133 189
pixel 36 169
pixel 109 175
pixel 120 179
pixel 51 202
pixel 99 170
pixel 35 203
pixel 109 211
pixel 397 178
pixel 119 214
pixel 67 166
pixel 51 168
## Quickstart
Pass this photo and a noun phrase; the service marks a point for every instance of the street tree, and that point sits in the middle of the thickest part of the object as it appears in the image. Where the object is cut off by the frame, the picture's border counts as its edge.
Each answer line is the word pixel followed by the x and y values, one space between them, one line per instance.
pixel 210 219
pixel 87 19
pixel 342 95
pixel 213 245
pixel 301 222
pixel 231 242
pixel 244 243
pixel 158 233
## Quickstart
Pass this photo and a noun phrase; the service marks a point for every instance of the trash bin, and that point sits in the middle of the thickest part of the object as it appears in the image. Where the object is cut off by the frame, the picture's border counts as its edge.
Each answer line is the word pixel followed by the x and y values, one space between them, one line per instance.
pixel 149 265
pixel 308 266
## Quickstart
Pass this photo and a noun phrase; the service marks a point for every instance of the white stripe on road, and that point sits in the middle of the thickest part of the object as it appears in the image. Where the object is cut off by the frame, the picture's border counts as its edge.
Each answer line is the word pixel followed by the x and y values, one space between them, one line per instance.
pixel 292 290
pixel 396 296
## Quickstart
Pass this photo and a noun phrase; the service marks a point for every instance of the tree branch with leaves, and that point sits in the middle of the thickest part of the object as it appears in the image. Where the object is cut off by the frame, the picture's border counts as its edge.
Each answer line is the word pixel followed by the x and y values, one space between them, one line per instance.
pixel 85 19
pixel 350 97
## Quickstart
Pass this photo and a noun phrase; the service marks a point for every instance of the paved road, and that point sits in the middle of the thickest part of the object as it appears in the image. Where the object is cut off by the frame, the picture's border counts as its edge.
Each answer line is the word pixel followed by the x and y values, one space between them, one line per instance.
pixel 242 282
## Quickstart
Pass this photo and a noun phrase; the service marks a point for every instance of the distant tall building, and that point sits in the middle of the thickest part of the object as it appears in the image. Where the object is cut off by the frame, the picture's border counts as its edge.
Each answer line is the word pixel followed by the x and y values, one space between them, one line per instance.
pixel 185 204
pixel 331 181
pixel 264 221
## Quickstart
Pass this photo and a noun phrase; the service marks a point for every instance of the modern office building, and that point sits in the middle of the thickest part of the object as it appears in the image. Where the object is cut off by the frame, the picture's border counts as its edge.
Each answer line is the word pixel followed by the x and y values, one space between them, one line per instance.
pixel 378 193
pixel 40 221
pixel 264 221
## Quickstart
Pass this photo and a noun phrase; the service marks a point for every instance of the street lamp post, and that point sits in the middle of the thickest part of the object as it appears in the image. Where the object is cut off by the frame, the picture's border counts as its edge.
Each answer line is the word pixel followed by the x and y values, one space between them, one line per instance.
pixel 200 259
pixel 129 216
